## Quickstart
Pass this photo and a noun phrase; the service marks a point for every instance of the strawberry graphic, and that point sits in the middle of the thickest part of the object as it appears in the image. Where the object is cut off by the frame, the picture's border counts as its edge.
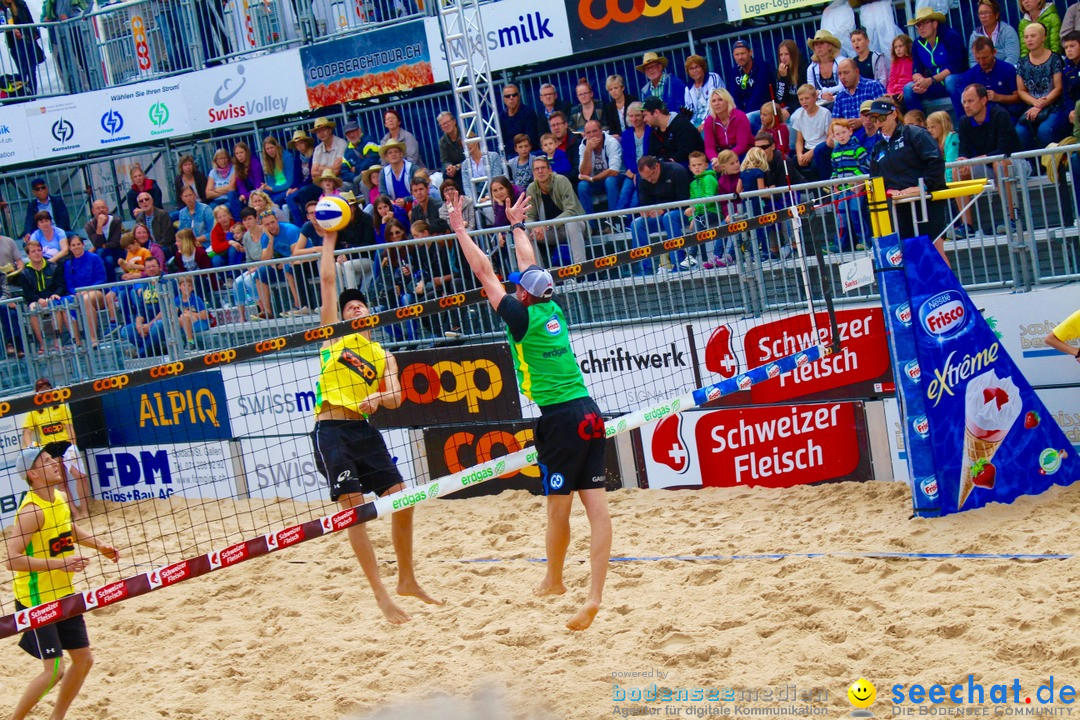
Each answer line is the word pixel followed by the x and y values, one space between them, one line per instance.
pixel 983 473
pixel 1031 420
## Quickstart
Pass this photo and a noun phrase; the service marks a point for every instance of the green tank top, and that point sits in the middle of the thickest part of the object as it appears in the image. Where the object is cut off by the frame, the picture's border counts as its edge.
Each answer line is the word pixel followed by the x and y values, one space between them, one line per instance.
pixel 547 370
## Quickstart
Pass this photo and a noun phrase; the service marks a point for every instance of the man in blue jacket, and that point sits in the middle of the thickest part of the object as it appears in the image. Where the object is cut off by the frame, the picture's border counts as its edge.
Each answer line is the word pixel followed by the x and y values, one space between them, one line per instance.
pixel 43 200
pixel 751 84
pixel 939 60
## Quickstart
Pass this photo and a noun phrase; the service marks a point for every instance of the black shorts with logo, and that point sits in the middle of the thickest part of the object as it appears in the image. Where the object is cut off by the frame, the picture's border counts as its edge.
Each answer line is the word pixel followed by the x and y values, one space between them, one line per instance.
pixel 353 458
pixel 570 442
pixel 46 643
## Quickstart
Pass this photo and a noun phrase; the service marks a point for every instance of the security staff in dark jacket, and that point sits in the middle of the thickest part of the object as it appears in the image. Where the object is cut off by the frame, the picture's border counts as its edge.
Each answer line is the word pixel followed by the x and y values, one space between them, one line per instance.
pixel 902 156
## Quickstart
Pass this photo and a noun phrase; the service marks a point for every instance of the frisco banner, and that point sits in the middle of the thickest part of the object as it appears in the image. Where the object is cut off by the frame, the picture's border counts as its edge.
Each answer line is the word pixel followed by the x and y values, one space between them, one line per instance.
pixel 774 446
pixel 991 437
pixel 364 65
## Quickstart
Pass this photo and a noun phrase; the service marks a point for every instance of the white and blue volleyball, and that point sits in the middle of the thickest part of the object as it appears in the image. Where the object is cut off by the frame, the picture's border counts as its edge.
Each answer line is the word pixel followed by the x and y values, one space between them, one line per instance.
pixel 332 213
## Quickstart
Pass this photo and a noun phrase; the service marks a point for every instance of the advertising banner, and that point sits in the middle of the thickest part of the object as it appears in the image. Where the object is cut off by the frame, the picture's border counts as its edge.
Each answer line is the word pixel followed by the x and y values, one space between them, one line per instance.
pixel 738 10
pixel 518 32
pixel 284 467
pixel 16 145
pixel 393 59
pixel 157 472
pixel 12 487
pixel 596 24
pixel 262 87
pixel 192 408
pixel 992 438
pixel 773 446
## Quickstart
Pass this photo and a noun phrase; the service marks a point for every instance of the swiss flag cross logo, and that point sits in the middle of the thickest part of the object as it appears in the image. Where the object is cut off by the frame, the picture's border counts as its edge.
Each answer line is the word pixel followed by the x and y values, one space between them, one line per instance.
pixel 720 358
pixel 668 447
pixel 22 621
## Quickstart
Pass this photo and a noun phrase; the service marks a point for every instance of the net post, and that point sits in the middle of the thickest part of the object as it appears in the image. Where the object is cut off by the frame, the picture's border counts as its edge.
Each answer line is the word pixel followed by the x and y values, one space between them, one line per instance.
pixel 877 202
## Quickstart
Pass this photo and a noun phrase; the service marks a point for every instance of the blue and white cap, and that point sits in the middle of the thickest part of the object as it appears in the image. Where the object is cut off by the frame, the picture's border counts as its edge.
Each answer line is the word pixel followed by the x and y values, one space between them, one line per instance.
pixel 536 281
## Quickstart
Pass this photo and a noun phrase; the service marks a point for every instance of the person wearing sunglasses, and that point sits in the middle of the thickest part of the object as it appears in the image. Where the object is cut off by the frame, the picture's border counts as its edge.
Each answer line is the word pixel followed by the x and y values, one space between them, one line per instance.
pixel 516 117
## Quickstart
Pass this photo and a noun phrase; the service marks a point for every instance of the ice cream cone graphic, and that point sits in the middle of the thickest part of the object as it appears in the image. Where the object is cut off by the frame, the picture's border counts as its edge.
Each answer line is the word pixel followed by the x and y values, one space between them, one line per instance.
pixel 991 406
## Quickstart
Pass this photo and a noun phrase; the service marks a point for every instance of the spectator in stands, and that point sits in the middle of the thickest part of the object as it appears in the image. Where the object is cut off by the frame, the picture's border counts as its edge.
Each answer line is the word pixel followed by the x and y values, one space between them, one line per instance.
pixel 307 246
pixel 168 21
pixel 939 59
pixel 451 193
pixel 752 82
pixel 703 215
pixel 43 200
pixel 1001 34
pixel 193 315
pixel 1070 24
pixel 601 167
pixel 24 46
pixel 940 125
pixel 386 211
pixel 133 262
pixel 635 145
pixel 1046 14
pixel 615 120
pixel 146 333
pixel 549 148
pixel 190 175
pixel 849 160
pixel 301 188
pixel 660 182
pixel 780 131
pixel 788 78
pixel 210 29
pixel 260 201
pixel 277 241
pixel 195 216
pixel 451 149
pixel 854 91
pixel 1041 86
pixel 550 103
pixel 157 221
pixel 249 172
pixel 53 239
pixel 901 68
pixel 425 207
pixel 516 117
pixel 221 181
pixel 553 197
pixel 360 153
pixel 867 134
pixel 568 142
pixel 433 273
pixel 872 65
pixel 369 187
pixel 915 118
pixel 779 172
pixel 519 167
pixel 396 133
pixel 1070 43
pixel 726 128
pixel 699 89
pixel 42 285
pixel 224 248
pixel 103 230
pixel 11 267
pixel 998 76
pixel 359 233
pixel 84 269
pixel 396 174
pixel 142 236
pixel 822 71
pixel 329 151
pixel 673 137
pixel 661 84
pixel 329 183
pixel 587 108
pixel 490 163
pixel 903 156
pixel 245 292
pixel 190 253
pixel 811 125
pixel 278 168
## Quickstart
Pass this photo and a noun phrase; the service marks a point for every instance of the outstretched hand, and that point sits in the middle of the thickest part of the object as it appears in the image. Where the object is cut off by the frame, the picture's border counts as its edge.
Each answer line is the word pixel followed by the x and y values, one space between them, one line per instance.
pixel 519 210
pixel 455 218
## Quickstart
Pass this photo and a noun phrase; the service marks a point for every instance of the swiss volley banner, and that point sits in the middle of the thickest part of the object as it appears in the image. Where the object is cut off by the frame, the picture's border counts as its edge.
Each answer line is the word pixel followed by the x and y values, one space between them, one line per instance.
pixel 394 59
pixel 992 439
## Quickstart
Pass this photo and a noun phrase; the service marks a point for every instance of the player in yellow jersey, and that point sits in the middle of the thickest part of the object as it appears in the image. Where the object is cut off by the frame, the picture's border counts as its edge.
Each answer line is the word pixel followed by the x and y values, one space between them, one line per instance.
pixel 41 553
pixel 356 377
pixel 54 424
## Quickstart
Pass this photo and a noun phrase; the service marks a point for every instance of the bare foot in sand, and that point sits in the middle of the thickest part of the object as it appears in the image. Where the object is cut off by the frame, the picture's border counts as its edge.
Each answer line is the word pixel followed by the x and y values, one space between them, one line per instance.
pixel 394 614
pixel 585 616
pixel 414 590
pixel 548 587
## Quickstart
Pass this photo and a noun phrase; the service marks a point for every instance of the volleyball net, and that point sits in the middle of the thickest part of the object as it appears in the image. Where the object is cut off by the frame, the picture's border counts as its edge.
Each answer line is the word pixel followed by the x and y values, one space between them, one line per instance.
pixel 204 462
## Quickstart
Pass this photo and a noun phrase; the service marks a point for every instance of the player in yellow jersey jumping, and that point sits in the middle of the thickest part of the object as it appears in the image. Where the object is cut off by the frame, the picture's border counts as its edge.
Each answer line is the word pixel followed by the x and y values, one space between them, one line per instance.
pixel 355 378
pixel 41 554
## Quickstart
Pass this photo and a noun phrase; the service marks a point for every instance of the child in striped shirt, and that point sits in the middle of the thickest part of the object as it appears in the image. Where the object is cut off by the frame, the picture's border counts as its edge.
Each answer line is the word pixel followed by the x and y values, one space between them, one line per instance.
pixel 849 159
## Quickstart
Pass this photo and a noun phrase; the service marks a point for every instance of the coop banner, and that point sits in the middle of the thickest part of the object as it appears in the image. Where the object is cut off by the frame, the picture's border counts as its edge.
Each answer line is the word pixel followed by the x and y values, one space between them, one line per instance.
pixel 367 65
pixel 992 438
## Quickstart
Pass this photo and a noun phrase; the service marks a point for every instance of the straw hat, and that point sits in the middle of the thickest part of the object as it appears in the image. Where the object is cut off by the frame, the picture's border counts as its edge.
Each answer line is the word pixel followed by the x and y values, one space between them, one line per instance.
pixel 926 13
pixel 297 136
pixel 365 177
pixel 328 174
pixel 824 35
pixel 649 58
pixel 324 122
pixel 347 196
pixel 392 144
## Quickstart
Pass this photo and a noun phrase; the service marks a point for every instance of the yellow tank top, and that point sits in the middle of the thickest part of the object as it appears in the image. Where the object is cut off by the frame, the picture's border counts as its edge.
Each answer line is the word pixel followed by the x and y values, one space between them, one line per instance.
pixel 53 540
pixel 352 368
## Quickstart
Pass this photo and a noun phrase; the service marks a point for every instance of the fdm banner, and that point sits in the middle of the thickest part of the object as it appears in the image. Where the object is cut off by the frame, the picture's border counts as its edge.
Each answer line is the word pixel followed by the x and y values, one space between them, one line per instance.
pixel 992 438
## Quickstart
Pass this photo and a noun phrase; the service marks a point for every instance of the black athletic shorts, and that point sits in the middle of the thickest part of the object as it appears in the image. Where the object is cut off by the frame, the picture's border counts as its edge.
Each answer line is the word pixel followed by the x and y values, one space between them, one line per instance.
pixel 353 458
pixel 570 445
pixel 46 643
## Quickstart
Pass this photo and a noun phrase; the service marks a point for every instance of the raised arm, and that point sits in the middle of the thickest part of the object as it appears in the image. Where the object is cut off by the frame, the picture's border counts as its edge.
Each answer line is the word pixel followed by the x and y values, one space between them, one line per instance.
pixel 477 258
pixel 516 213
pixel 328 280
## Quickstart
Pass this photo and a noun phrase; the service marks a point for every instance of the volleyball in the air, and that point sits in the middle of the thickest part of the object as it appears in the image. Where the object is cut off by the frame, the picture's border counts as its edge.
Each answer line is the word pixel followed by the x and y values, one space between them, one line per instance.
pixel 332 213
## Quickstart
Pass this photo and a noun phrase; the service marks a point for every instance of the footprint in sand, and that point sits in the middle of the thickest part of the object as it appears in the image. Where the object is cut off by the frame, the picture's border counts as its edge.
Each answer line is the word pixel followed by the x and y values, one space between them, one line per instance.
pixel 675 641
